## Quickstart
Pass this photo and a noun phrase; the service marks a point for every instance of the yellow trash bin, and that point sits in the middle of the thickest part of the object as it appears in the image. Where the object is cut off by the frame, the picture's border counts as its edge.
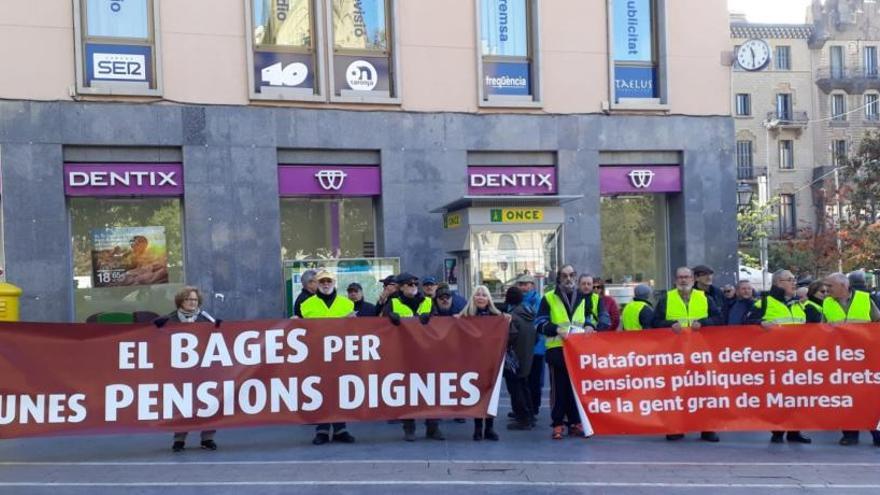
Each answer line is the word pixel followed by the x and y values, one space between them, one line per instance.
pixel 9 298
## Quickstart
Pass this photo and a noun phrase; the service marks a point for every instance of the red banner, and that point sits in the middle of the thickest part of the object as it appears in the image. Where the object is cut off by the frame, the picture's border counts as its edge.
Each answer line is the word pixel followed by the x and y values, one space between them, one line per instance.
pixel 810 377
pixel 90 379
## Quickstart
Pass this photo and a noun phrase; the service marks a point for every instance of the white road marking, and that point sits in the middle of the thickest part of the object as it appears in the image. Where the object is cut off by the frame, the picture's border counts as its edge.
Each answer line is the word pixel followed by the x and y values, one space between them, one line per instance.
pixel 439 461
pixel 560 484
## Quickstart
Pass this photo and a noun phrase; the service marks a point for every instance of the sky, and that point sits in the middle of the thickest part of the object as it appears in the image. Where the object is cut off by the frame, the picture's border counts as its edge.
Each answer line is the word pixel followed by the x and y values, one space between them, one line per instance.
pixel 777 11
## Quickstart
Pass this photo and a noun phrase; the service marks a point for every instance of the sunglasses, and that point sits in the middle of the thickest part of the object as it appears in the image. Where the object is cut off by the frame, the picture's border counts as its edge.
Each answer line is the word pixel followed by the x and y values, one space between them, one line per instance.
pixel 444 298
pixel 410 284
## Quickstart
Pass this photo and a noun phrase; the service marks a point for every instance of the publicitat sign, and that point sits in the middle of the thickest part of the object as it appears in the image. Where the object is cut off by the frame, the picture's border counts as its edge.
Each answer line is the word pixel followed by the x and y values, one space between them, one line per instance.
pixel 83 379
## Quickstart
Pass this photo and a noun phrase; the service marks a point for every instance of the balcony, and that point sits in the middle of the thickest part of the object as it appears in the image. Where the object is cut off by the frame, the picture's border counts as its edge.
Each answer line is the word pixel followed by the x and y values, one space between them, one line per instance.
pixel 748 174
pixel 788 120
pixel 853 81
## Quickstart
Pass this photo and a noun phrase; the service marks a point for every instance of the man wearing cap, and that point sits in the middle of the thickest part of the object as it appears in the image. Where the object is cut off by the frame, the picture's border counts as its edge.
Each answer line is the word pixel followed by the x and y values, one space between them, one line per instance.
pixel 309 287
pixel 429 286
pixel 389 288
pixel 703 277
pixel 442 303
pixel 361 307
pixel 409 302
pixel 326 303
pixel 532 300
pixel 638 314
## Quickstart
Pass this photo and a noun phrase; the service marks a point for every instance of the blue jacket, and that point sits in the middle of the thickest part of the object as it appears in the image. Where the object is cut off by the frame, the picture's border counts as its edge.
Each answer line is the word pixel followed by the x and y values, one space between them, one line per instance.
pixel 532 300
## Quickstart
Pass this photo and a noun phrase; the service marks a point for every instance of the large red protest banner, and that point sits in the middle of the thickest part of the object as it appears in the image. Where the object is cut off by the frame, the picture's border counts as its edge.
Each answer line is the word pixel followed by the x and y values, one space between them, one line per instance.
pixel 91 379
pixel 810 377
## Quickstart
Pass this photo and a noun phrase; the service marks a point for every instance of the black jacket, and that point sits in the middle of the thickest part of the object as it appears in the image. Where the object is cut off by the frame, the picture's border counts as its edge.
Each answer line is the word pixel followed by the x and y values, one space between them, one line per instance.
pixel 543 323
pixel 646 315
pixel 363 308
pixel 814 315
pixel 303 295
pixel 522 338
pixel 412 303
pixel 660 320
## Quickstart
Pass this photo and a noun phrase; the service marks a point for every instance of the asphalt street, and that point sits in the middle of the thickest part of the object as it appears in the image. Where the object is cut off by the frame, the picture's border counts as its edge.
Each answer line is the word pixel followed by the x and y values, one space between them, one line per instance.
pixel 277 460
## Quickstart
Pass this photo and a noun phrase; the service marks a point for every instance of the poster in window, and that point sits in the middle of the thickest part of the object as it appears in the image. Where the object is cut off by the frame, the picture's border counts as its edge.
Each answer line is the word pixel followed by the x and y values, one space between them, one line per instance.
pixel 118 18
pixel 635 82
pixel 123 256
pixel 633 31
pixel 359 25
pixel 503 29
pixel 283 23
pixel 506 78
pixel 283 70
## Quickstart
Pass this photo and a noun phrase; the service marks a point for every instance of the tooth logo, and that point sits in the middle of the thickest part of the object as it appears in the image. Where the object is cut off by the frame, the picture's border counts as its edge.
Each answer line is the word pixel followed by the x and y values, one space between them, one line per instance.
pixel 331 180
pixel 641 179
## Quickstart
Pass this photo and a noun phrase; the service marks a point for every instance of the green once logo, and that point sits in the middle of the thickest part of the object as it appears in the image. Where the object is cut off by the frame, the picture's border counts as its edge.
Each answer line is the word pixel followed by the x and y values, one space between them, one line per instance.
pixel 495 215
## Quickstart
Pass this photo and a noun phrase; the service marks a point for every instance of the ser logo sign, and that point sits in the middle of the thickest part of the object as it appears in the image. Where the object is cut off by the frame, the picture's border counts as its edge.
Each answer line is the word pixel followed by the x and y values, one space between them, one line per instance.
pixel 120 66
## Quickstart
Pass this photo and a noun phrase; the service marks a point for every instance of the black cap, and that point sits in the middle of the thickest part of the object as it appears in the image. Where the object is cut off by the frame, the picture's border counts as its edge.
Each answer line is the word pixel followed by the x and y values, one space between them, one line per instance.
pixel 702 270
pixel 429 280
pixel 406 277
pixel 443 290
pixel 355 286
pixel 390 279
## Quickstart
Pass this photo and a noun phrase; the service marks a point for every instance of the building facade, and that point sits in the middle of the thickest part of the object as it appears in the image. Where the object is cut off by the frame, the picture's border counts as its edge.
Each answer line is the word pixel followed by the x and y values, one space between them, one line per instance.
pixel 149 144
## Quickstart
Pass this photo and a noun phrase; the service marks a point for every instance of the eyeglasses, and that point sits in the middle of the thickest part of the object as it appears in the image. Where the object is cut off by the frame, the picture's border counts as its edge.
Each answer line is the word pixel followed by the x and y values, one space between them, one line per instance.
pixel 410 284
pixel 325 281
pixel 567 275
pixel 444 298
pixel 192 299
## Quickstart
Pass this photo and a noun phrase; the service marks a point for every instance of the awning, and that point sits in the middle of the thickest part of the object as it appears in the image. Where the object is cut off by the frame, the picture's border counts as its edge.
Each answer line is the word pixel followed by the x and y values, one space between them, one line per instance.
pixel 488 201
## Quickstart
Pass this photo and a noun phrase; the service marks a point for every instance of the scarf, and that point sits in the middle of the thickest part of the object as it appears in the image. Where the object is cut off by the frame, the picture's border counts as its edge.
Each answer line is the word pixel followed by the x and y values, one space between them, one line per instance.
pixel 188 317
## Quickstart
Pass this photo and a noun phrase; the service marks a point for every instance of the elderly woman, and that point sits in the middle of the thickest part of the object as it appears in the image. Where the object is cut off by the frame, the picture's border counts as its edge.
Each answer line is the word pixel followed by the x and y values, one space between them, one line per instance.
pixel 189 310
pixel 480 304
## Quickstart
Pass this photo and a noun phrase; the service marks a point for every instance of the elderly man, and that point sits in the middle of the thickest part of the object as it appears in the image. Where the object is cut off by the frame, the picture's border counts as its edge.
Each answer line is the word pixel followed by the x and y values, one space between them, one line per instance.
pixel 309 287
pixel 780 306
pixel 389 288
pixel 361 307
pixel 638 314
pixel 532 300
pixel 843 305
pixel 738 311
pixel 596 309
pixel 686 307
pixel 442 304
pixel 326 303
pixel 703 277
pixel 561 310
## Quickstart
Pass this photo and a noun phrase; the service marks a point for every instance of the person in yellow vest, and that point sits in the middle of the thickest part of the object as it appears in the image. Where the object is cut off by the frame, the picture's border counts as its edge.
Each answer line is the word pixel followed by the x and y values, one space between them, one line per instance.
pixel 327 303
pixel 638 314
pixel 816 293
pixel 844 305
pixel 686 307
pixel 409 302
pixel 561 310
pixel 780 306
pixel 595 303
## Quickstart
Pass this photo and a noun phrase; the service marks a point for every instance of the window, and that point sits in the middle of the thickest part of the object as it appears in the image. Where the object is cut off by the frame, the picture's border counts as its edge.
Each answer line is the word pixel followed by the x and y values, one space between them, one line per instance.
pixel 838 152
pixel 872 106
pixel 836 57
pixel 838 107
pixel 362 42
pixel 786 154
pixel 744 170
pixel 327 228
pixel 508 71
pixel 871 61
pixel 127 255
pixel 743 104
pixel 284 50
pixel 783 106
pixel 636 49
pixel 787 224
pixel 783 58
pixel 116 47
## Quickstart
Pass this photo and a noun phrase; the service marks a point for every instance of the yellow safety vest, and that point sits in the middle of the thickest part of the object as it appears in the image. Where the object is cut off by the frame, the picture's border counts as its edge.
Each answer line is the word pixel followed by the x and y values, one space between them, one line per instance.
pixel 815 306
pixel 859 309
pixel 697 307
pixel 781 313
pixel 559 316
pixel 630 316
pixel 405 312
pixel 314 307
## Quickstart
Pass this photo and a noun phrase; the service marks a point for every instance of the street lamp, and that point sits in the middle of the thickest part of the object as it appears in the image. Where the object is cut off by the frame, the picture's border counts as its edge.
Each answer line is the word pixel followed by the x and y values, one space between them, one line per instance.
pixel 744 194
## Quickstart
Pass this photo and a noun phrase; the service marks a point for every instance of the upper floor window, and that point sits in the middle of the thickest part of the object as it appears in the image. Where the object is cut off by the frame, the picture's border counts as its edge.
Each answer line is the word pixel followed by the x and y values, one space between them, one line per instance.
pixel 838 107
pixel 743 104
pixel 362 59
pixel 744 170
pixel 838 152
pixel 786 154
pixel 285 59
pixel 872 106
pixel 636 28
pixel 836 60
pixel 507 57
pixel 870 61
pixel 116 47
pixel 783 106
pixel 787 220
pixel 783 58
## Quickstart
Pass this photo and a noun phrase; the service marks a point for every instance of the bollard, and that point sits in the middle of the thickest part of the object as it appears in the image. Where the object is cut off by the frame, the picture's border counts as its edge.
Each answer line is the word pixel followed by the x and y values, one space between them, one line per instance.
pixel 10 296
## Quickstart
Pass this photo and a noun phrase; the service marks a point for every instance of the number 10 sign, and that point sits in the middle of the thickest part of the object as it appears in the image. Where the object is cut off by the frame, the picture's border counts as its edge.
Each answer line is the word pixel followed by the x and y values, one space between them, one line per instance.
pixel 283 70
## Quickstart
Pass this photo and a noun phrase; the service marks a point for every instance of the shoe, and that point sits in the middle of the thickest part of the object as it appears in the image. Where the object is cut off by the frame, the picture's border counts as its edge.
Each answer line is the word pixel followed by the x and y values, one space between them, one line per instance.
pixel 344 437
pixel 520 426
pixel 460 420
pixel 409 436
pixel 778 437
pixel 321 438
pixel 876 440
pixel 797 437
pixel 478 435
pixel 491 435
pixel 576 430
pixel 557 432
pixel 511 415
pixel 533 421
pixel 435 434
pixel 709 436
pixel 177 447
pixel 848 441
pixel 673 438
pixel 209 445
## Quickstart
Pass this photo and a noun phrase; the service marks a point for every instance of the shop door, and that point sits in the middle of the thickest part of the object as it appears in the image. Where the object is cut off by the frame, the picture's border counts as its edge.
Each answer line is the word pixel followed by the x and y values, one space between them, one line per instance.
pixel 635 240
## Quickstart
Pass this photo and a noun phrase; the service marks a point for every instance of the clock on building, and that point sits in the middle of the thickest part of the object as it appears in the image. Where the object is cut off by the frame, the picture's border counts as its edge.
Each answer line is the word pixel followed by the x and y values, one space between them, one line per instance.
pixel 753 54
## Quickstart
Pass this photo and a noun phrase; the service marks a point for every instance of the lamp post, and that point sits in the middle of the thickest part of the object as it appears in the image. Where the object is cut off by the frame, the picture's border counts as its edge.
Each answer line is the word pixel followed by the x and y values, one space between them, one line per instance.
pixel 762 242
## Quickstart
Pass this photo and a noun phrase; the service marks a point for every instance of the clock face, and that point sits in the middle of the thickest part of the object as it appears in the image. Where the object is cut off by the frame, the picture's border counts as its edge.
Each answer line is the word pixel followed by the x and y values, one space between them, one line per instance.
pixel 753 55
